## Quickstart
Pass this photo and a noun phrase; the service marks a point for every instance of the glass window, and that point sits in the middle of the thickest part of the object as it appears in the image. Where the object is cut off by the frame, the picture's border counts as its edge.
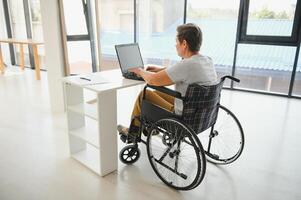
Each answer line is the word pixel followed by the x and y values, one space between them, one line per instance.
pixel 19 28
pixel 157 22
pixel 271 17
pixel 18 19
pixel 78 50
pixel 3 35
pixel 265 68
pixel 37 29
pixel 117 27
pixel 218 21
pixel 74 17
pixel 79 55
pixel 297 83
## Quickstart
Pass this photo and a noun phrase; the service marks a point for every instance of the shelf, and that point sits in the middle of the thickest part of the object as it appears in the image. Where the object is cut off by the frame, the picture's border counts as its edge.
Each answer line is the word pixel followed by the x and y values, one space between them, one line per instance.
pixel 89 157
pixel 90 110
pixel 88 133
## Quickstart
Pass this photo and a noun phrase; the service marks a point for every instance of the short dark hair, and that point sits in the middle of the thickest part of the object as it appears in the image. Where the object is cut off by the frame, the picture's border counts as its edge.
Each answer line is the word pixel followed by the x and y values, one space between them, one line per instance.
pixel 192 34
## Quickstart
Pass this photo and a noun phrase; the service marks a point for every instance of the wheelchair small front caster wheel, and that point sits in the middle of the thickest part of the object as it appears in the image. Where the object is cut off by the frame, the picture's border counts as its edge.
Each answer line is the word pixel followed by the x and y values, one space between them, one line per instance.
pixel 129 154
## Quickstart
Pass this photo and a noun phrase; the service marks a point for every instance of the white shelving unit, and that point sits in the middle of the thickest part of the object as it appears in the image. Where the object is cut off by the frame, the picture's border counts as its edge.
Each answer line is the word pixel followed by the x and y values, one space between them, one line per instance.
pixel 82 127
pixel 88 133
pixel 89 110
pixel 92 127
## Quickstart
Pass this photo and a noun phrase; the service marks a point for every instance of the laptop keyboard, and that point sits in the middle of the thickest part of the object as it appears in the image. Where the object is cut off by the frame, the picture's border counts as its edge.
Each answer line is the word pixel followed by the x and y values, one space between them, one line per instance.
pixel 133 76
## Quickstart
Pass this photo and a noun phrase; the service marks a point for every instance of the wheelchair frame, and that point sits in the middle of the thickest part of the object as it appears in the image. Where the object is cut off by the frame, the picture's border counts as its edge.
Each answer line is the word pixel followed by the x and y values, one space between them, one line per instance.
pixel 151 114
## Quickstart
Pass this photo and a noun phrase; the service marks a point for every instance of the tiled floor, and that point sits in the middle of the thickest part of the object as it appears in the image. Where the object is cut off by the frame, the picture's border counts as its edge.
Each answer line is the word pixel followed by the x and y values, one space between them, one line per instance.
pixel 35 162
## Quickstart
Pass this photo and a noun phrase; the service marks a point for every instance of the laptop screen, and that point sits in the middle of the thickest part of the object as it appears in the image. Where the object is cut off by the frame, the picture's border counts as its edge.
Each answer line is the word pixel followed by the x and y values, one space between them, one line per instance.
pixel 129 56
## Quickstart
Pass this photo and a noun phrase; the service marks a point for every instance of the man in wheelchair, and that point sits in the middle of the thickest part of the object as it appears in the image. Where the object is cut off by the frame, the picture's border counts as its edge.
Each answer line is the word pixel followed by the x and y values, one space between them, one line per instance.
pixel 193 68
pixel 187 126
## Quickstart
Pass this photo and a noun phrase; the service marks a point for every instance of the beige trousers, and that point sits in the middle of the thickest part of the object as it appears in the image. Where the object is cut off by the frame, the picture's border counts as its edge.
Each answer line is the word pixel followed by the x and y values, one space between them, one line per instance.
pixel 158 98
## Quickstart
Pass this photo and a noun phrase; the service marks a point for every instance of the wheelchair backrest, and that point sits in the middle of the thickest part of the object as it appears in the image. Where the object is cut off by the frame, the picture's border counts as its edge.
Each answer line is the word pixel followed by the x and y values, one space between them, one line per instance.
pixel 201 106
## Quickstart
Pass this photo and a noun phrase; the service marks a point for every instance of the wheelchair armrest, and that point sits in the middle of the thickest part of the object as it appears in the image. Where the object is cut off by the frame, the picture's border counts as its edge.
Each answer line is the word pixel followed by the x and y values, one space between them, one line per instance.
pixel 230 77
pixel 166 91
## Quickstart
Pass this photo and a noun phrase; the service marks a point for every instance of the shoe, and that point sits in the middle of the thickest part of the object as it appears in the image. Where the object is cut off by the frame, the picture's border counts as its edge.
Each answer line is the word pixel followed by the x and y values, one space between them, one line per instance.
pixel 122 130
pixel 128 135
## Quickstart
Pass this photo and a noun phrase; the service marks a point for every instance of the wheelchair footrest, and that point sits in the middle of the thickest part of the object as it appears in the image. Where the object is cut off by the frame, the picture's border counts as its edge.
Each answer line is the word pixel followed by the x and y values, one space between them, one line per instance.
pixel 127 138
pixel 123 138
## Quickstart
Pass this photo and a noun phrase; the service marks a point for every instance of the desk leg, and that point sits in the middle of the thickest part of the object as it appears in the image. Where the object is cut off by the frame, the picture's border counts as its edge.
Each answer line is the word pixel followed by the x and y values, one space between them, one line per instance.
pixel 1 62
pixel 21 57
pixel 36 61
pixel 107 117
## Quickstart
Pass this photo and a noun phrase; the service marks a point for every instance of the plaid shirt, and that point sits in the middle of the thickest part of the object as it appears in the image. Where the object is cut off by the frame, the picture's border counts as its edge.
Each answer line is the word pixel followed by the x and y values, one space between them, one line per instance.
pixel 201 106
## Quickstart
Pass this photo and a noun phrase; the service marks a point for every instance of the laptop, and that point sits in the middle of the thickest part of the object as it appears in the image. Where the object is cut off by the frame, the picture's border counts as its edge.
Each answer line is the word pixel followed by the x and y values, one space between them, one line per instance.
pixel 129 57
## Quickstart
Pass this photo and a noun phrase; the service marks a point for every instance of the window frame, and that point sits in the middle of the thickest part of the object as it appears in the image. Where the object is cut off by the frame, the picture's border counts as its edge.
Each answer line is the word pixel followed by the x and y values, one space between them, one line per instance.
pixel 9 30
pixel 291 40
pixel 89 37
pixel 241 37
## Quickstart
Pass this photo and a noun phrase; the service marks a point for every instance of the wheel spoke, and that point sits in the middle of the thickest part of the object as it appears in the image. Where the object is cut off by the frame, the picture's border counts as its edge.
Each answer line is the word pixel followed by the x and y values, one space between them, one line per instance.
pixel 229 142
pixel 178 164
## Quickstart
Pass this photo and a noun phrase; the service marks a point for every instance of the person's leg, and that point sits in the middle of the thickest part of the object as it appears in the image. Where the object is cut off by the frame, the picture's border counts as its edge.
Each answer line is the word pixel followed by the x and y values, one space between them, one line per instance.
pixel 165 96
pixel 161 99
pixel 156 97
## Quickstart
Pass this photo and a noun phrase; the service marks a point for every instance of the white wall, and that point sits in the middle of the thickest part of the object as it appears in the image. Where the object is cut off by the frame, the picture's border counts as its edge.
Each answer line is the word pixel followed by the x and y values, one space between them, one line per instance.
pixel 54 60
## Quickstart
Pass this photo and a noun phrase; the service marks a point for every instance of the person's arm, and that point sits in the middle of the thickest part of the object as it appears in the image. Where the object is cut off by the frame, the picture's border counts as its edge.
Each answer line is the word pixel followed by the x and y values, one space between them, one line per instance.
pixel 157 79
pixel 152 68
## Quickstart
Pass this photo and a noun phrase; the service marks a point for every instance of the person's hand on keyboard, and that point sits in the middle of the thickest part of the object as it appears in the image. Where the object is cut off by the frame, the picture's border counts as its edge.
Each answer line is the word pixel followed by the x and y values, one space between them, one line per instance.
pixel 153 68
pixel 136 71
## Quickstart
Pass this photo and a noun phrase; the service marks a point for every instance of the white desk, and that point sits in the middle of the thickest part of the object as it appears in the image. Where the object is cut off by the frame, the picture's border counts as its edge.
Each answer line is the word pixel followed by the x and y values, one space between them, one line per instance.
pixel 92 127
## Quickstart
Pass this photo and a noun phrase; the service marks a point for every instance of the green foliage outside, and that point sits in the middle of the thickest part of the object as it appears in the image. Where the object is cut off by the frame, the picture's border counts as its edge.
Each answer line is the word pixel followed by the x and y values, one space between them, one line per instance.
pixel 265 13
pixel 217 13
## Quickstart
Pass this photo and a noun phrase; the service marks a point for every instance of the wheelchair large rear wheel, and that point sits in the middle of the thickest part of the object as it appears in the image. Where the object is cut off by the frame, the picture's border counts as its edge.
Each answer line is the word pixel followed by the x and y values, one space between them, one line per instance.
pixel 227 138
pixel 176 154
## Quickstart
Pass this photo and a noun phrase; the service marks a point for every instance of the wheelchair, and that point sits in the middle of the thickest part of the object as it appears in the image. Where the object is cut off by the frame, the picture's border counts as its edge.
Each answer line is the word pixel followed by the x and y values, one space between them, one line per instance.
pixel 175 150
